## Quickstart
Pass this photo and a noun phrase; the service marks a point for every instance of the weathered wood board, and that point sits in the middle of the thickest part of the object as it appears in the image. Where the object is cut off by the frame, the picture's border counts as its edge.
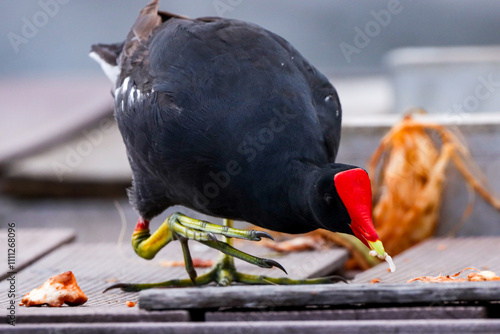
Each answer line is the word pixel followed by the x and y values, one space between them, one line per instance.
pixel 308 295
pixel 389 313
pixel 33 243
pixel 47 110
pixel 96 314
pixel 463 326
pixel 95 154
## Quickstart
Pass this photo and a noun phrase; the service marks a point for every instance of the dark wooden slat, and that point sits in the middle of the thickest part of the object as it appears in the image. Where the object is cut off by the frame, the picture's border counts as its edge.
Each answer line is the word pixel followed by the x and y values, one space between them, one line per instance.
pixel 390 313
pixel 46 111
pixel 433 257
pixel 278 327
pixel 78 159
pixel 336 294
pixel 34 243
pixel 84 314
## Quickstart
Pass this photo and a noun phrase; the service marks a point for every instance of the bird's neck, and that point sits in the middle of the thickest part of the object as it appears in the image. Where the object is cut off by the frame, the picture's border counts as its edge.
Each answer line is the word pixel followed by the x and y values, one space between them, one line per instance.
pixel 303 179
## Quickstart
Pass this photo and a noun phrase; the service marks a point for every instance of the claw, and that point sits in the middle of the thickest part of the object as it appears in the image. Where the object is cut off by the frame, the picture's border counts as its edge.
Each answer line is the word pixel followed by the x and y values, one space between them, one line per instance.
pixel 271 263
pixel 262 234
pixel 212 236
pixel 123 286
pixel 336 279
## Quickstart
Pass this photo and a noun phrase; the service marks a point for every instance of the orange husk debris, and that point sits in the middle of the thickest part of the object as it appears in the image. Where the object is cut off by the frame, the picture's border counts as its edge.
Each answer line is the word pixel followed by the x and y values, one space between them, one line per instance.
pixel 56 291
pixel 484 275
pixel 130 303
pixel 297 244
pixel 197 263
pixel 408 173
pixel 375 280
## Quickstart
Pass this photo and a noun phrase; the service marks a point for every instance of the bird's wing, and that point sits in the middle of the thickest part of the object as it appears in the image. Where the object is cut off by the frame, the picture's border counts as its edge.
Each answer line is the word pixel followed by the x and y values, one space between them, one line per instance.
pixel 329 114
pixel 325 99
pixel 148 20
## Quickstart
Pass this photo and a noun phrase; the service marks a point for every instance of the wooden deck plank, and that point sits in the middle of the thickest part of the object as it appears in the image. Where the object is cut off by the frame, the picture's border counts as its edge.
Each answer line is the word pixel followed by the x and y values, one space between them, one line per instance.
pixel 389 313
pixel 48 110
pixel 73 166
pixel 308 295
pixel 290 327
pixel 97 314
pixel 34 243
pixel 436 256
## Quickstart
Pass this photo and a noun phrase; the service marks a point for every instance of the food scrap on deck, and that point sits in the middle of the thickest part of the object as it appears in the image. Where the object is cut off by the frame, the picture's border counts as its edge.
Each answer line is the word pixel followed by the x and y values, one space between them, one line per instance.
pixel 477 276
pixel 56 291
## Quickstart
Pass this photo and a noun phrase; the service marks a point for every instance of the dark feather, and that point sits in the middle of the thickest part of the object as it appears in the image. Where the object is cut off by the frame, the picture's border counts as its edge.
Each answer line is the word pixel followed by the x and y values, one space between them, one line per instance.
pixel 196 97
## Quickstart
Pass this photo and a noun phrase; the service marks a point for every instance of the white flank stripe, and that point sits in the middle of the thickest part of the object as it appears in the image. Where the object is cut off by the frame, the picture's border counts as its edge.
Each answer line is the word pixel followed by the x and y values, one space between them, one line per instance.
pixel 112 72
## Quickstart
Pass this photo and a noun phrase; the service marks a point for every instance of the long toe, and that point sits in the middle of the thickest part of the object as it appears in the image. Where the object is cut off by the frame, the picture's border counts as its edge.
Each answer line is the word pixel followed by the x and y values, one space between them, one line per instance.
pixel 123 286
pixel 336 279
pixel 262 234
pixel 271 263
pixel 200 230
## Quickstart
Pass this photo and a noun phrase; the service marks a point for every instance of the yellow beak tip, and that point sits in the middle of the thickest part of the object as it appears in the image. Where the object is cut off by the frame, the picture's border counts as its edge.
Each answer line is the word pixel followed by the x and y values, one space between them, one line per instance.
pixel 378 247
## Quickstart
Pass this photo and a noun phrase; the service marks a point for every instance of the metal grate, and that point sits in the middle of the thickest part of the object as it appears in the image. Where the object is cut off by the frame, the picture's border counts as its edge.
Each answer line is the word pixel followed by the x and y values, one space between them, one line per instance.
pixel 444 256
pixel 97 266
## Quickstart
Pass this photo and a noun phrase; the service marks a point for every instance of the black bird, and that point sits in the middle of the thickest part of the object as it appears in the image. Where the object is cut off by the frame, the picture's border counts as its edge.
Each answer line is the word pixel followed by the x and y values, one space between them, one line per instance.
pixel 229 119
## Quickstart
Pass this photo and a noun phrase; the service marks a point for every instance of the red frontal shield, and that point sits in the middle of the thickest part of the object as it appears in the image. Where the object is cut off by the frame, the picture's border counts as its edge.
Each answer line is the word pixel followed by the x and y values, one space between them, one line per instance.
pixel 354 189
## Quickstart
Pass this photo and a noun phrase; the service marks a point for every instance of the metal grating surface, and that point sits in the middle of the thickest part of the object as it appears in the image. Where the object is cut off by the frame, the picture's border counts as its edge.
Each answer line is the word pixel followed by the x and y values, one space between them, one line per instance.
pixel 439 256
pixel 32 244
pixel 96 266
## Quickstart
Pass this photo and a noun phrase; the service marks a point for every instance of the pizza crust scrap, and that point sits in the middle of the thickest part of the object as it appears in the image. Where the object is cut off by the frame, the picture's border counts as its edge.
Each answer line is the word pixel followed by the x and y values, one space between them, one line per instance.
pixel 485 275
pixel 56 291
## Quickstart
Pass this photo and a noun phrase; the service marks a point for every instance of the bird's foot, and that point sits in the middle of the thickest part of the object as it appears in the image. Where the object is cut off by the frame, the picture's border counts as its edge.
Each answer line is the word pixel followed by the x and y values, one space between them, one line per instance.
pixel 224 273
pixel 183 228
pixel 200 230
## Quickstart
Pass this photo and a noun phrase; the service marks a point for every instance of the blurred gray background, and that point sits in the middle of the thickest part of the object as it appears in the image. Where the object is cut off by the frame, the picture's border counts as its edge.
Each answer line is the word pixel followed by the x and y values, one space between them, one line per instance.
pixel 315 27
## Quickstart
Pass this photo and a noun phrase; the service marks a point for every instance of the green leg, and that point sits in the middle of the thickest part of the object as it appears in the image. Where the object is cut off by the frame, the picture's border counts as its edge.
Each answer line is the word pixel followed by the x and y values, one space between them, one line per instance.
pixel 188 261
pixel 181 227
pixel 223 272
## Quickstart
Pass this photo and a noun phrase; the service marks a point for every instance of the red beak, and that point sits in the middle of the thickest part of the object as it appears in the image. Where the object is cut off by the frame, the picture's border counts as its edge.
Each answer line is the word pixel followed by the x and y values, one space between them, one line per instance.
pixel 354 189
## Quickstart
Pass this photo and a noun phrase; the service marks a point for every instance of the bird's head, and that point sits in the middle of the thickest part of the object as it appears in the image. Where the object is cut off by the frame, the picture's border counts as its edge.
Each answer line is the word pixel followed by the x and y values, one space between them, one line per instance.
pixel 341 201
